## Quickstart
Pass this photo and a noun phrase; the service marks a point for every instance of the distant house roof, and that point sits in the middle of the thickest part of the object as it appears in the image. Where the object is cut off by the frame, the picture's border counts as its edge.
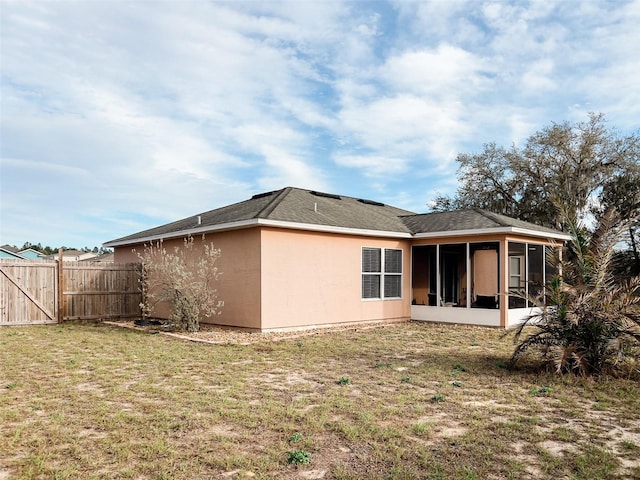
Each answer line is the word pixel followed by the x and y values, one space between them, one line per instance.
pixel 6 253
pixel 71 255
pixel 10 248
pixel 31 254
pixel 312 210
pixel 104 257
pixel 472 221
pixel 289 207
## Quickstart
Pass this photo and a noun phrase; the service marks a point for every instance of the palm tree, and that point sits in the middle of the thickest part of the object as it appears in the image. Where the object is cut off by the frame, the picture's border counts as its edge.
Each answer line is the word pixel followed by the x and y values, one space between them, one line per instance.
pixel 589 323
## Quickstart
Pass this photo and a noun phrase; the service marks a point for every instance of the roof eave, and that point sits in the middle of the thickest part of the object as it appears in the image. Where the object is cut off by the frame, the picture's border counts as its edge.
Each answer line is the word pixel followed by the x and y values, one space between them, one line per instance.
pixel 498 230
pixel 254 223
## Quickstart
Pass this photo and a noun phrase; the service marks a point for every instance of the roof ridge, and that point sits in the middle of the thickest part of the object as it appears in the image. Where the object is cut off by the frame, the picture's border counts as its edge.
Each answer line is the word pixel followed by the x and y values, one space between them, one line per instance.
pixel 271 206
pixel 496 217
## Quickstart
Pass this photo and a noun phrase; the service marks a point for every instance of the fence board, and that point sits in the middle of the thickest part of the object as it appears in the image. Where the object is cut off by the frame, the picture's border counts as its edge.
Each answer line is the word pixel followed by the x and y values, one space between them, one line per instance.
pixel 93 291
pixel 30 291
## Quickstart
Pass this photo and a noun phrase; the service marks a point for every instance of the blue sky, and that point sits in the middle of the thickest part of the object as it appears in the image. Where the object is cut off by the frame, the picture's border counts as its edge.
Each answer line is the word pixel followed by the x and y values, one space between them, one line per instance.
pixel 116 116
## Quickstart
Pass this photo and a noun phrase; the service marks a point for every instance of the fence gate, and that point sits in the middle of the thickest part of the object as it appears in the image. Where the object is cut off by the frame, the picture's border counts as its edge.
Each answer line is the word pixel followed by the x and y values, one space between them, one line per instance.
pixel 35 292
pixel 28 292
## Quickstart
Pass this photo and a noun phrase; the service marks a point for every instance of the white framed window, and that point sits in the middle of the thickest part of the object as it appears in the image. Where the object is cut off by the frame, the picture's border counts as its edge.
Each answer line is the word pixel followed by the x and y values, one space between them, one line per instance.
pixel 381 273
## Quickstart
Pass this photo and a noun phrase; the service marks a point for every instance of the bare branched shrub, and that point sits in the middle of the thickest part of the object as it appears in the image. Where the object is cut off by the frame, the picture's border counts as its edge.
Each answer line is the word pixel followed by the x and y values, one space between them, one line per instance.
pixel 183 277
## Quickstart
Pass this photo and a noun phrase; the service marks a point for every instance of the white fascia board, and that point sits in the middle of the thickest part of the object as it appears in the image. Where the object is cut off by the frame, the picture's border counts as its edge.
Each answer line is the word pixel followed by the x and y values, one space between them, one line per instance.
pixel 183 233
pixel 487 231
pixel 333 229
pixel 260 222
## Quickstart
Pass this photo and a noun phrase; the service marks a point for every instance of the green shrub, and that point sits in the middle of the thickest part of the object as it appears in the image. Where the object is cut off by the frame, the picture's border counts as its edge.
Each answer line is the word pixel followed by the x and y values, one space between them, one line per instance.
pixel 298 457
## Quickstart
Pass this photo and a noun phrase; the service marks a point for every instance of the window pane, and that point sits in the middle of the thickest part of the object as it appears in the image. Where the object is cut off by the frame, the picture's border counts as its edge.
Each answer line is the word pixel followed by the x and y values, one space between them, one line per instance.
pixel 371 260
pixel 392 286
pixel 393 261
pixel 370 286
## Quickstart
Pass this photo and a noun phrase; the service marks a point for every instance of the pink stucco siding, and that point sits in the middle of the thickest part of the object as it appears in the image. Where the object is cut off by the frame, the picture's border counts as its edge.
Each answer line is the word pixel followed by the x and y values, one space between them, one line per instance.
pixel 313 279
pixel 239 284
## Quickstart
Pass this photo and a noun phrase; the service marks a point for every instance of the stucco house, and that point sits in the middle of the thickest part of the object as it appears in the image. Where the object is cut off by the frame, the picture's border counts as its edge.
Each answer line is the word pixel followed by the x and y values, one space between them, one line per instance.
pixel 296 258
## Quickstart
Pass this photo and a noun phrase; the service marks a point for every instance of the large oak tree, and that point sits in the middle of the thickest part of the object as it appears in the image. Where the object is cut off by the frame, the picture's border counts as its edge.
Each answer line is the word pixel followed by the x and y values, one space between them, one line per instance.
pixel 561 175
pixel 573 165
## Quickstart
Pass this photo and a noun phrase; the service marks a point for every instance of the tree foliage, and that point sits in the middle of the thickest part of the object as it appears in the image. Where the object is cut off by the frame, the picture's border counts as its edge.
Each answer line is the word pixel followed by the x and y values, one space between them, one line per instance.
pixel 589 324
pixel 623 194
pixel 47 250
pixel 184 278
pixel 577 165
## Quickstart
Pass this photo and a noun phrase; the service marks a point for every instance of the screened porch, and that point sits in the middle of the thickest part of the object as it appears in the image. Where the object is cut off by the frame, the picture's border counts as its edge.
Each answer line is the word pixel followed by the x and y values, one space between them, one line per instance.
pixel 480 283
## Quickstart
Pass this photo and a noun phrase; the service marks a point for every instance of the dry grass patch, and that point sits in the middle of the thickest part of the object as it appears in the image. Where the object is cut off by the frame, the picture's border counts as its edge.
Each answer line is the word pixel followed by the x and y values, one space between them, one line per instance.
pixel 421 401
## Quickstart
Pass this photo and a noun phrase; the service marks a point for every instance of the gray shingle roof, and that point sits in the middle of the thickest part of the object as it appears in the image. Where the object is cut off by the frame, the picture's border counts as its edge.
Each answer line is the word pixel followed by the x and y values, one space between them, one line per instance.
pixel 290 205
pixel 471 219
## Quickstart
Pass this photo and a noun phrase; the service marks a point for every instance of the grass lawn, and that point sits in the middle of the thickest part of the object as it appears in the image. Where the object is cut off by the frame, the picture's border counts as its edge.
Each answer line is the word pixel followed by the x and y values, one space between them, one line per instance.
pixel 406 401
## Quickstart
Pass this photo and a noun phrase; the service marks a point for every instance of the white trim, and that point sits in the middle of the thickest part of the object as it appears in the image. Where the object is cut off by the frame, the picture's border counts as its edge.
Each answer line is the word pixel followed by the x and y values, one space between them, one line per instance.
pixel 487 317
pixel 260 222
pixel 485 231
pixel 516 316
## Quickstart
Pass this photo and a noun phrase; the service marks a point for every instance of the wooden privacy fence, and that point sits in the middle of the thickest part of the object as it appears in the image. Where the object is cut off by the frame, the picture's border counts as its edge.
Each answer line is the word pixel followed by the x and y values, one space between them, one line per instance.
pixel 36 292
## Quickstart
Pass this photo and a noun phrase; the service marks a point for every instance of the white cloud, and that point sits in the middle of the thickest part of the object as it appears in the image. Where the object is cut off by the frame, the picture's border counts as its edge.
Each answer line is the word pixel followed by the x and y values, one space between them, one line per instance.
pixel 283 169
pixel 373 165
pixel 446 71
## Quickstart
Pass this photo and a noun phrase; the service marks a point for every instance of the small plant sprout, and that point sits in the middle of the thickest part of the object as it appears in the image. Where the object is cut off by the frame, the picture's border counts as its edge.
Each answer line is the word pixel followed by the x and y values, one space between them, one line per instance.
pixel 542 391
pixel 405 379
pixel 382 365
pixel 344 381
pixel 437 398
pixel 298 457
pixel 456 384
pixel 295 438
pixel 420 428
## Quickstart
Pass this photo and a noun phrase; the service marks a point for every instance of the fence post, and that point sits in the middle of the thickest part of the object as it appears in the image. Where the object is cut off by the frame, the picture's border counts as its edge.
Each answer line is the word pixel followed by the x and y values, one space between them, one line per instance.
pixel 60 288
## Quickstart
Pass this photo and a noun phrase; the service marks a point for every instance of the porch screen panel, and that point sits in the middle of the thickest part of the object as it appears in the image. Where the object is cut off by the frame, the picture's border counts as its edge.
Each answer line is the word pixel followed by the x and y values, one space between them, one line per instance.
pixel 485 274
pixel 424 275
pixel 517 277
pixel 535 272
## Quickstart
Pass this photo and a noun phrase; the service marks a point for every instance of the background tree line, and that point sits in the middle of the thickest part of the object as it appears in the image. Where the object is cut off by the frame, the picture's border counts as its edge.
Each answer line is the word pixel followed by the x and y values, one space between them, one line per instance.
pixel 565 174
pixel 47 250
